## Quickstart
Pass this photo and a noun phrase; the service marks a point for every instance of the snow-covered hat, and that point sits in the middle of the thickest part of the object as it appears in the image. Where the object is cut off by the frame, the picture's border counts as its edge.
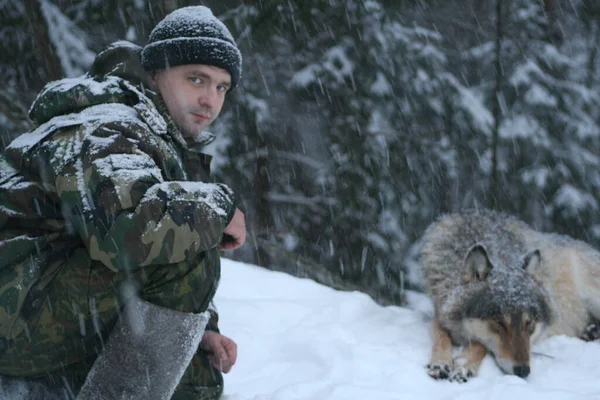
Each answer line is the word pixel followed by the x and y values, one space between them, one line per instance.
pixel 192 35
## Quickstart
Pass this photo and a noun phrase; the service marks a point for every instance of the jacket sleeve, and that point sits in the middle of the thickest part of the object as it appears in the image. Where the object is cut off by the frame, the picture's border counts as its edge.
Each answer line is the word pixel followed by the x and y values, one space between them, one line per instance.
pixel 115 197
pixel 213 322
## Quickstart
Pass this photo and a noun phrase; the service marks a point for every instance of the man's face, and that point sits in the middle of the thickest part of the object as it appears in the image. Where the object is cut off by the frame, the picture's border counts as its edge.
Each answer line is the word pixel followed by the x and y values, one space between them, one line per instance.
pixel 193 94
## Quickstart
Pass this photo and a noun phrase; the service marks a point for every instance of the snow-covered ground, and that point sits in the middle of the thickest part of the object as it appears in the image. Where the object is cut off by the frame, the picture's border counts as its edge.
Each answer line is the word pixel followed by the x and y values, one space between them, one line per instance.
pixel 301 340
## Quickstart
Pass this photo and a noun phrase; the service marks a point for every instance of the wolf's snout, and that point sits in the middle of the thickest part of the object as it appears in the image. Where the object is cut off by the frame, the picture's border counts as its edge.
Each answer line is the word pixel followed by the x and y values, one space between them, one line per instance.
pixel 521 370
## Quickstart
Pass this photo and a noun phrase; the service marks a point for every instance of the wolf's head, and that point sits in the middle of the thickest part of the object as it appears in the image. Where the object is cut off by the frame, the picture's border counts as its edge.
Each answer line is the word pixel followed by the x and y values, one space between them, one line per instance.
pixel 508 308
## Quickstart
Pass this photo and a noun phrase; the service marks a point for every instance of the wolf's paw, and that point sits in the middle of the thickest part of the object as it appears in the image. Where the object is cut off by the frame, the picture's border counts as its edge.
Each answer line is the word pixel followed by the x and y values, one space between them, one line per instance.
pixel 439 370
pixel 591 333
pixel 461 374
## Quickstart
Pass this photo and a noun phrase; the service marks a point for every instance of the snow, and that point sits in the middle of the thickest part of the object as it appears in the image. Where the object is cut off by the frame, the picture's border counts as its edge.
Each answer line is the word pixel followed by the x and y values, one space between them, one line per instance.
pixel 131 35
pixel 539 96
pixel 110 85
pixel 482 51
pixel 540 176
pixel 523 126
pixel 574 200
pixel 92 116
pixel 129 363
pixel 522 74
pixel 480 115
pixel 305 76
pixel 68 40
pixel 300 340
pixel 127 167
pixel 381 86
pixel 335 62
pixel 186 18
pixel 210 194
pixel 195 24
pixel 259 107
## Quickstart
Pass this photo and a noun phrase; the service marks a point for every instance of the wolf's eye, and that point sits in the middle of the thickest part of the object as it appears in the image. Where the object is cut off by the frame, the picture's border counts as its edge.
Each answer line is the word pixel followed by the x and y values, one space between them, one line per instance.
pixel 529 325
pixel 498 326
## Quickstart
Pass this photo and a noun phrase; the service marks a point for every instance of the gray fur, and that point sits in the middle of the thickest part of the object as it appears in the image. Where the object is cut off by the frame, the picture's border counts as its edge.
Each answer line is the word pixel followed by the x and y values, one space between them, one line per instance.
pixel 498 285
pixel 507 286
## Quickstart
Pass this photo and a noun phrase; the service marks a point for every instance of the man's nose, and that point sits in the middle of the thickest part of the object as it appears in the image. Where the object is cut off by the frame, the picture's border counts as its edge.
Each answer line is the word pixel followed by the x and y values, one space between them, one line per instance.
pixel 208 97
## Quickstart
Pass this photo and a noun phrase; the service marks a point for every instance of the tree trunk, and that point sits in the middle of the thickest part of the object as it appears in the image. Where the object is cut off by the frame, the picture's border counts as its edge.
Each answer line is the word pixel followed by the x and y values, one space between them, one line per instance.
pixel 264 220
pixel 592 60
pixel 555 34
pixel 494 190
pixel 43 45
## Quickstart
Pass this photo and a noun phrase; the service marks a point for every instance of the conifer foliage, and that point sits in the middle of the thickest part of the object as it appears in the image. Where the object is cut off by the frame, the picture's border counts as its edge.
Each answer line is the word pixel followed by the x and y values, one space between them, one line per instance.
pixel 358 122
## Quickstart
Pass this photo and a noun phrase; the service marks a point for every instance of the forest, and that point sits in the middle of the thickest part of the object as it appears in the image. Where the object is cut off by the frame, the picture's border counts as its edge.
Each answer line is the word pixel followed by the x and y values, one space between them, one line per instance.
pixel 357 123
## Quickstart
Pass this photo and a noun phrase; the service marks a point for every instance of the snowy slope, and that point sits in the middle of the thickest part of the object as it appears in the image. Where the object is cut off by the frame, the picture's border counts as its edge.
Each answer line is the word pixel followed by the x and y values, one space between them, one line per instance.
pixel 301 340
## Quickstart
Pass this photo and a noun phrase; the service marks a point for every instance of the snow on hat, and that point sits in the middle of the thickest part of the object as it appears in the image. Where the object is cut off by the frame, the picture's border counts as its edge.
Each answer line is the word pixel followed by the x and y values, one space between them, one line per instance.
pixel 192 35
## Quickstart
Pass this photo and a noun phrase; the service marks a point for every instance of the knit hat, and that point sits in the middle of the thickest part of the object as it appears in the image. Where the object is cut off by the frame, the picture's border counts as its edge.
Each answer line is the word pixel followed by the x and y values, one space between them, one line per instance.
pixel 192 35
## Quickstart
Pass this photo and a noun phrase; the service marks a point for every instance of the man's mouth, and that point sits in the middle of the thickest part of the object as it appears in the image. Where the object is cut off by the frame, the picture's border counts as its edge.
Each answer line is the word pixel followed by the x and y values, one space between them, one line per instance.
pixel 202 116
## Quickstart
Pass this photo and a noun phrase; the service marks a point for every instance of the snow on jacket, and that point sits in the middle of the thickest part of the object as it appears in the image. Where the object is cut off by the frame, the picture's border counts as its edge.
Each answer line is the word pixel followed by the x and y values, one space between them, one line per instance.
pixel 106 169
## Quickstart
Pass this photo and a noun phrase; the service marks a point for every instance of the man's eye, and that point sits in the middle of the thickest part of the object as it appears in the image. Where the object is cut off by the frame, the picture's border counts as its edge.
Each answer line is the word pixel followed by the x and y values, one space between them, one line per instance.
pixel 195 79
pixel 222 88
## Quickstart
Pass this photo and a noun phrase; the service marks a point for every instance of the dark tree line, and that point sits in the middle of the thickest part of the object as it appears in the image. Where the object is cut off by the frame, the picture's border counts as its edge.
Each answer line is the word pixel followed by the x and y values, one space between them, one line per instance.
pixel 360 121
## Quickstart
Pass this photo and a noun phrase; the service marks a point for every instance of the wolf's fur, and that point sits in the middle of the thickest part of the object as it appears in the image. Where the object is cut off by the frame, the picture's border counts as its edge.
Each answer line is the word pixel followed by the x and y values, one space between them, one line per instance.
pixel 498 285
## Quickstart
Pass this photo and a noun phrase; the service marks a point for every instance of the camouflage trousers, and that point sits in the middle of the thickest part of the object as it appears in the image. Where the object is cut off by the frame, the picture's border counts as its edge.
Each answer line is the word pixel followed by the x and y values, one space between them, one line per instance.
pixel 69 320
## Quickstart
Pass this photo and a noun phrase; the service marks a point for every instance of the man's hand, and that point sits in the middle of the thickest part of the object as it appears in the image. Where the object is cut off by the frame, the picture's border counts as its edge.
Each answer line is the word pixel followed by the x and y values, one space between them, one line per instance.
pixel 223 349
pixel 234 234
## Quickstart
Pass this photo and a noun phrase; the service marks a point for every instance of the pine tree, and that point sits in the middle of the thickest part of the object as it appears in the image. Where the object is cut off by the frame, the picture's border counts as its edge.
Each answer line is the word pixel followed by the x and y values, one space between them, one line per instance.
pixel 550 139
pixel 381 110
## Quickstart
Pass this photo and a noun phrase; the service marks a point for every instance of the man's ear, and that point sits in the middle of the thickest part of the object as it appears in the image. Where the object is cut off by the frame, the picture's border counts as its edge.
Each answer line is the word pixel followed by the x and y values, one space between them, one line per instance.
pixel 153 76
pixel 477 264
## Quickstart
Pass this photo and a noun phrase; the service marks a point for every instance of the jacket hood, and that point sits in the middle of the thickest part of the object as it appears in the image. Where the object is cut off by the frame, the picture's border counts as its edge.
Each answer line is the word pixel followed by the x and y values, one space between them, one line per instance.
pixel 110 80
pixel 100 86
pixel 122 59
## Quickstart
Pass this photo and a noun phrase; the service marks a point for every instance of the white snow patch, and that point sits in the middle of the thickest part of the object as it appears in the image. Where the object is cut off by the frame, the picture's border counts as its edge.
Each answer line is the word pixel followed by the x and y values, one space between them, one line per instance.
pixel 335 62
pixel 259 107
pixel 522 74
pixel 301 340
pixel 573 200
pixel 539 96
pixel 206 193
pixel 523 126
pixel 131 34
pixel 381 86
pixel 191 17
pixel 538 176
pixel 480 114
pixel 128 167
pixel 94 115
pixel 298 339
pixel 110 84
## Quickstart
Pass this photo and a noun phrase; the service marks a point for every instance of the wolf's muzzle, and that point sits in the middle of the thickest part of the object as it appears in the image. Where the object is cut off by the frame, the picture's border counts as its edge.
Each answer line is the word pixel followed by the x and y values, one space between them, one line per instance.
pixel 521 370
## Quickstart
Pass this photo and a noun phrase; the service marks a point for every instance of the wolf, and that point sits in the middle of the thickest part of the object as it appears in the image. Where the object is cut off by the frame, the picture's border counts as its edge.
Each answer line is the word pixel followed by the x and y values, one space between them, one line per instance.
pixel 498 285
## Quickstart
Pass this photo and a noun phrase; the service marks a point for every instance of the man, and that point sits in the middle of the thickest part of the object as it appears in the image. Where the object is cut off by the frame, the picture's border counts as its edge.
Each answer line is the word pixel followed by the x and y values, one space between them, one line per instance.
pixel 109 231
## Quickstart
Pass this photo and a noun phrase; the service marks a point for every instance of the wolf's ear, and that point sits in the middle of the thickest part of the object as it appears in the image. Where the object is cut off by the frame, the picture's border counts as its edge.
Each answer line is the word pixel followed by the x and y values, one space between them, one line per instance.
pixel 531 261
pixel 477 264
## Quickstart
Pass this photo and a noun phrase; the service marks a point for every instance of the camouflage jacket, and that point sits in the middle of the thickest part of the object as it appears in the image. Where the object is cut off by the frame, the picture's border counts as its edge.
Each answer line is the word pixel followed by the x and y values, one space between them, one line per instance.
pixel 106 169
